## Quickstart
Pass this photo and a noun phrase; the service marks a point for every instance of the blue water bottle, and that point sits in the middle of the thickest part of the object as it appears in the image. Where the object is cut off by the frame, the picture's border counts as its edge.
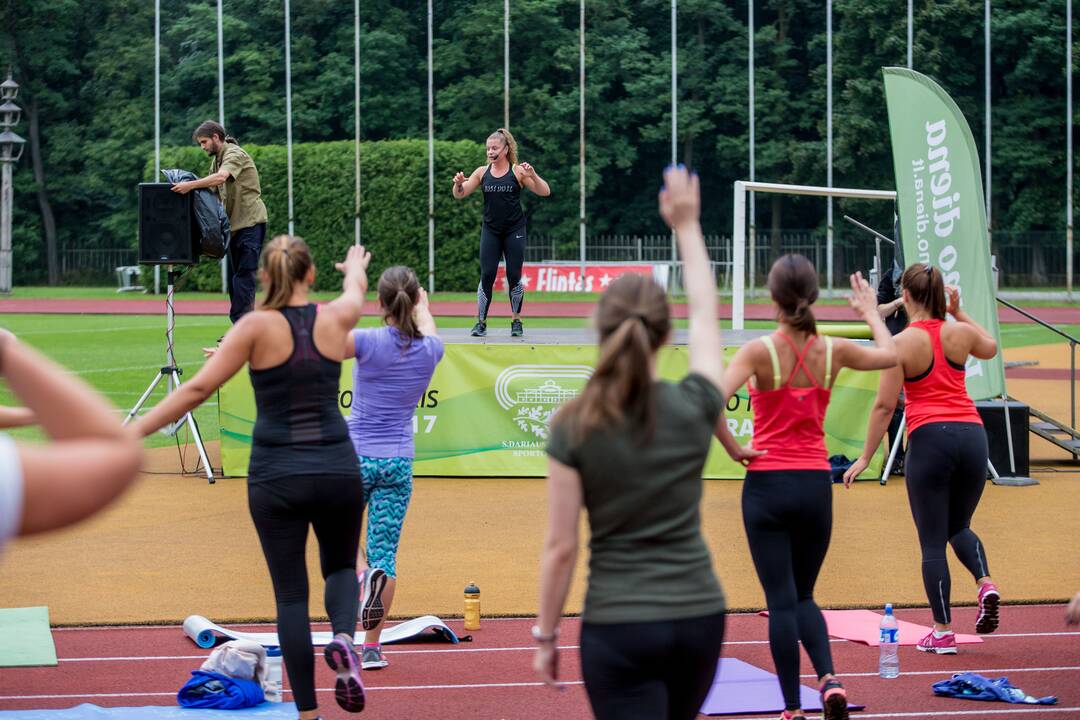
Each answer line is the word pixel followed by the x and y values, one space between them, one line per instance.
pixel 889 662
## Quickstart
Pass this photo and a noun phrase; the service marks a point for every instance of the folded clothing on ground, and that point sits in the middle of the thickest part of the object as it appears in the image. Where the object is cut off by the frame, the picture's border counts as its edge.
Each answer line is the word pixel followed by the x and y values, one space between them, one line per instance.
pixel 214 690
pixel 971 686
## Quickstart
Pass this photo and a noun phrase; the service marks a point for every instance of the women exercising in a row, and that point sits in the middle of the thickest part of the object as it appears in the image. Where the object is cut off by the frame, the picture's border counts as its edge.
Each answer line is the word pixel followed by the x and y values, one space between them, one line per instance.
pixel 947 452
pixel 787 495
pixel 503 231
pixel 303 470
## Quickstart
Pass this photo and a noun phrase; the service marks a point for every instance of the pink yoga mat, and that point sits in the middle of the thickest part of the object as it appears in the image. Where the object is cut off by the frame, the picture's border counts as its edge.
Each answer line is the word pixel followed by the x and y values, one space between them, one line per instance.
pixel 864 626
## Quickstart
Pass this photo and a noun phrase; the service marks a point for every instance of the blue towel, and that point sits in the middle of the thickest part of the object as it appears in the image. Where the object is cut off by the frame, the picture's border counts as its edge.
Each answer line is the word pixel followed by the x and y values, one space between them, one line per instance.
pixel 214 690
pixel 971 686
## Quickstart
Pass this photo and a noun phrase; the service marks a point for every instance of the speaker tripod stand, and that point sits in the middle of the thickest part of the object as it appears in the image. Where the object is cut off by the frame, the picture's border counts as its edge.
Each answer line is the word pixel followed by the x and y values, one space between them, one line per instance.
pixel 171 373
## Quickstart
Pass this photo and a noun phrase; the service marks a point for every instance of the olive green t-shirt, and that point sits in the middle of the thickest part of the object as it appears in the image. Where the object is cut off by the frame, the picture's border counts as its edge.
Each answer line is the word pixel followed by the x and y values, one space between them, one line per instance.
pixel 241 194
pixel 648 561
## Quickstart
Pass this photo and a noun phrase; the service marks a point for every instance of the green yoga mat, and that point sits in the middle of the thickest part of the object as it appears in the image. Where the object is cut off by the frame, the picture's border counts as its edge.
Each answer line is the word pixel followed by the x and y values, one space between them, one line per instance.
pixel 25 638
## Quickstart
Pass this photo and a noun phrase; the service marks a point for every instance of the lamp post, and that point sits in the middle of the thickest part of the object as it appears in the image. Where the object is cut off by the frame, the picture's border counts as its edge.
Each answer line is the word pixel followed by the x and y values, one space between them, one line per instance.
pixel 11 149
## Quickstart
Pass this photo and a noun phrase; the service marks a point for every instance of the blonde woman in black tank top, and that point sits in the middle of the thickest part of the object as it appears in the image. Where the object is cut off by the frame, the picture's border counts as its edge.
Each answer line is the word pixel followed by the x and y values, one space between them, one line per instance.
pixel 502 233
pixel 303 473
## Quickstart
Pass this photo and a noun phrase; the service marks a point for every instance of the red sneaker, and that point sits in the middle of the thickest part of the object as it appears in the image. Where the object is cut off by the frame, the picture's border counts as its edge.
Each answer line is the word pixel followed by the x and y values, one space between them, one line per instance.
pixel 989 598
pixel 944 645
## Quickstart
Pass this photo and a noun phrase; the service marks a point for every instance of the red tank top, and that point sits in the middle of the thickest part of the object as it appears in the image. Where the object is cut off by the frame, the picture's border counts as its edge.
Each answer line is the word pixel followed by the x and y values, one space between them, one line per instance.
pixel 938 394
pixel 788 421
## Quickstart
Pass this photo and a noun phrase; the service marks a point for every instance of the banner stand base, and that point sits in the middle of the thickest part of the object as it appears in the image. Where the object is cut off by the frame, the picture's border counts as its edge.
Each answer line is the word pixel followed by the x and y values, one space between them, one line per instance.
pixel 1018 481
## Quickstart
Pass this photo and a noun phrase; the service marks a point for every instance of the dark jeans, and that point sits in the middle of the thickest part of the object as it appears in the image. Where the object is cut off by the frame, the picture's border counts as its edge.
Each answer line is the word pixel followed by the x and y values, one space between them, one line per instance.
pixel 244 251
pixel 650 670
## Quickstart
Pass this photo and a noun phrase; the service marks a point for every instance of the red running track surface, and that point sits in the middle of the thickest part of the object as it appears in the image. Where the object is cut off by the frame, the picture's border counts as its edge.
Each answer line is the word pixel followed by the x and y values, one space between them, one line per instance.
pixel 492 677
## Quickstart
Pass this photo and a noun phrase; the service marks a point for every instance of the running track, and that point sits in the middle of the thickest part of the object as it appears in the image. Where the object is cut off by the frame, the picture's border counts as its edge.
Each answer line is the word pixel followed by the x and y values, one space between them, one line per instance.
pixel 842 313
pixel 492 677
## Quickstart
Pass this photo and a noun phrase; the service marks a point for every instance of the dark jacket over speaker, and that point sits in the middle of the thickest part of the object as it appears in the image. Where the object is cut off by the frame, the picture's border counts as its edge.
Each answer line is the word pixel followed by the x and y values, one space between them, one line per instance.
pixel 176 229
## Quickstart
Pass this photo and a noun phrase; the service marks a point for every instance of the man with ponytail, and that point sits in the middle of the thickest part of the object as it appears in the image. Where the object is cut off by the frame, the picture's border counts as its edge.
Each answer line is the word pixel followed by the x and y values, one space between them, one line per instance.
pixel 234 177
pixel 630 450
pixel 394 364
pixel 502 234
pixel 947 450
pixel 302 473
pixel 787 495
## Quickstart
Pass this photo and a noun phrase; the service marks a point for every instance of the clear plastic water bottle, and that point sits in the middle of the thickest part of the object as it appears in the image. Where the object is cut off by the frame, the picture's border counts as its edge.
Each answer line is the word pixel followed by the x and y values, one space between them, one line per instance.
pixel 889 662
pixel 273 687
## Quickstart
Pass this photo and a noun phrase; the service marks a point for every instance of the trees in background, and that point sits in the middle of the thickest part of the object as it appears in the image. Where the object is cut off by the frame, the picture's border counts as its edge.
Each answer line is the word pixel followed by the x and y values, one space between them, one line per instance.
pixel 87 74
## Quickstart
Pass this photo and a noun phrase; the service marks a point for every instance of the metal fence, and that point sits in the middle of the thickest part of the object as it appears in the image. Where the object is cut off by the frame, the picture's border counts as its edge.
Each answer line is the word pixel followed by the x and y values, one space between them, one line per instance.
pixel 1029 259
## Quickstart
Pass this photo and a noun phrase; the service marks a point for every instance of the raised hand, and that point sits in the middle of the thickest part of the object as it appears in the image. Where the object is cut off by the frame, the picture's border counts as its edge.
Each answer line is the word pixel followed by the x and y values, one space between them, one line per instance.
pixel 527 169
pixel 460 178
pixel 355 264
pixel 862 299
pixel 680 197
pixel 952 300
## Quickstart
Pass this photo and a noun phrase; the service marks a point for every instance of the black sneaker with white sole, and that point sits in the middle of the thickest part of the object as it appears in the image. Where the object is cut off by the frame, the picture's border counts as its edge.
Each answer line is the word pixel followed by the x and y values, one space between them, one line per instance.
pixel 516 330
pixel 479 330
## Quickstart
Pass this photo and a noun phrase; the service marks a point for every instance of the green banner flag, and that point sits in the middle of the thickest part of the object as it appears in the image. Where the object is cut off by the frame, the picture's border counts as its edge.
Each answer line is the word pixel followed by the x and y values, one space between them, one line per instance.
pixel 941 205
pixel 487 409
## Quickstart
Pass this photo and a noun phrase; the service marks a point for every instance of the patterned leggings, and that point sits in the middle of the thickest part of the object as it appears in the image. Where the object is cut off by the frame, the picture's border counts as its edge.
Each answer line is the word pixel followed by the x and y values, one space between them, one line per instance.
pixel 387 484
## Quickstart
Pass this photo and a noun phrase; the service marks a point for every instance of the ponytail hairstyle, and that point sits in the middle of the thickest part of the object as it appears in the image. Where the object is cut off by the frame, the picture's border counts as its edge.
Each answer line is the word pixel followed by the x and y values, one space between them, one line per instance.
pixel 633 320
pixel 286 261
pixel 509 142
pixel 399 291
pixel 926 288
pixel 793 283
pixel 209 129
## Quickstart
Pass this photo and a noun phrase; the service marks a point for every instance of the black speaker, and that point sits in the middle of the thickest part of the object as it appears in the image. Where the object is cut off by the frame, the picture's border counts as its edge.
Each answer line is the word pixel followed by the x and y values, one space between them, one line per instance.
pixel 992 413
pixel 166 226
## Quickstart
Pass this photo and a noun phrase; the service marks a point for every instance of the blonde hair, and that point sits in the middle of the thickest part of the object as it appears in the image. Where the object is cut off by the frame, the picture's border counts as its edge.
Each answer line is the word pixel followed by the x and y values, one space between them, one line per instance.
pixel 286 260
pixel 509 142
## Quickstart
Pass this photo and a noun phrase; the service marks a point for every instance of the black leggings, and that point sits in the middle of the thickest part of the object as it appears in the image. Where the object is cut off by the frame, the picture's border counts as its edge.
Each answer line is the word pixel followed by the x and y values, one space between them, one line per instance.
pixel 650 670
pixel 493 247
pixel 282 510
pixel 788 520
pixel 945 476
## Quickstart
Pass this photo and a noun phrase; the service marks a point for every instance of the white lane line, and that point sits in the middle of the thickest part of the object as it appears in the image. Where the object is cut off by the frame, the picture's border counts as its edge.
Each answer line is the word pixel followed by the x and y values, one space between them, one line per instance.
pixel 942 713
pixel 528 648
pixel 952 671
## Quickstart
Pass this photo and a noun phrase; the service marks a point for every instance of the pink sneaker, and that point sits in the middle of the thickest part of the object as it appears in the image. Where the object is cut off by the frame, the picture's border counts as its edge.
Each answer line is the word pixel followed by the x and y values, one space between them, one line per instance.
pixel 989 598
pixel 944 645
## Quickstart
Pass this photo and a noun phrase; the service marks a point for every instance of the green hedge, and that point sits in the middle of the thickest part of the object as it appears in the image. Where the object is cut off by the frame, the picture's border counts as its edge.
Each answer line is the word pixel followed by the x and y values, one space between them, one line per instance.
pixel 393 209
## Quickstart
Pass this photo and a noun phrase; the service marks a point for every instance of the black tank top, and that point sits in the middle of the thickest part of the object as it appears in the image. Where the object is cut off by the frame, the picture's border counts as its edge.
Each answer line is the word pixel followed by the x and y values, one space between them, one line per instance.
pixel 502 201
pixel 299 429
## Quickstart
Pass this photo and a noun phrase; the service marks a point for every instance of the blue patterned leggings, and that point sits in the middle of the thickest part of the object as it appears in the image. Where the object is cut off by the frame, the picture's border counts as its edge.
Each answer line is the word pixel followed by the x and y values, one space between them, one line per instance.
pixel 387 484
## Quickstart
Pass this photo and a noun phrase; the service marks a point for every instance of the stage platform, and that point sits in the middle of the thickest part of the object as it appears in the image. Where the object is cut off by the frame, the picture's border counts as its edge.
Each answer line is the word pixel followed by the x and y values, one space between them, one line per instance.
pixel 487 409
pixel 573 336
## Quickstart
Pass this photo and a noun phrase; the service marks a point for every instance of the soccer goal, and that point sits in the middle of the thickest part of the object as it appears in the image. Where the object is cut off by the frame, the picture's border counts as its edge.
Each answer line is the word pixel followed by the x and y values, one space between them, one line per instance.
pixel 738 236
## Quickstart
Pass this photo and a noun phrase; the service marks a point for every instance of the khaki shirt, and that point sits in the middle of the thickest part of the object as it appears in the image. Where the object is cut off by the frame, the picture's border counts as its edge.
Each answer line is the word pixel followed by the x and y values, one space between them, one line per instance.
pixel 241 194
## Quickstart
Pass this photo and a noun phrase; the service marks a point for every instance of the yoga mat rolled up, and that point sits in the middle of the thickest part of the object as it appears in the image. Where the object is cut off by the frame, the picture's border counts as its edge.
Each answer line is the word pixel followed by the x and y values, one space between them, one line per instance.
pixel 200 630
pixel 205 633
pixel 855 331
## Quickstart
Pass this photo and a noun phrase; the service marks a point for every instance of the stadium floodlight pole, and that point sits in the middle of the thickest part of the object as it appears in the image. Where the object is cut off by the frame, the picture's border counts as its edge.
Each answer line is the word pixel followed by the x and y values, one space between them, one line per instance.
pixel 750 85
pixel 674 112
pixel 738 235
pixel 506 64
pixel 581 135
pixel 157 116
pixel 986 68
pixel 1068 153
pixel 220 67
pixel 828 145
pixel 288 113
pixel 430 154
pixel 221 113
pixel 356 119
pixel 910 31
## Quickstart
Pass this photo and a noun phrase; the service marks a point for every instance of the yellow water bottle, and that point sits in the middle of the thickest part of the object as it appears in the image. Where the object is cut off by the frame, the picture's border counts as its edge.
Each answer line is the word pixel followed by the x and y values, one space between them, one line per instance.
pixel 472 607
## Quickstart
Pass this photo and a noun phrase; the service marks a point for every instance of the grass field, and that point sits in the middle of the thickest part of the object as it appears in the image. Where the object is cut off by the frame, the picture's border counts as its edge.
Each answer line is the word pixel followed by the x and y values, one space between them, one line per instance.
pixel 121 354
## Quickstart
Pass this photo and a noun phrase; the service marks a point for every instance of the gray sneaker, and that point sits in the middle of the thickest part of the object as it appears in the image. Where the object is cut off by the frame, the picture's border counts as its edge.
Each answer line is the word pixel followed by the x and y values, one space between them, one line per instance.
pixel 372 659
